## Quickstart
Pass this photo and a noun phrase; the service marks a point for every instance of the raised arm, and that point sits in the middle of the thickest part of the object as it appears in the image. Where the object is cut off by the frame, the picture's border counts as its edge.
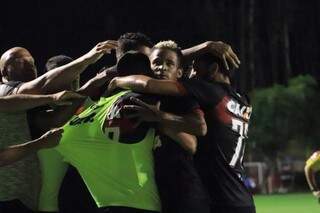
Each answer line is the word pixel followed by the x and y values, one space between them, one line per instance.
pixel 23 102
pixel 93 88
pixel 145 84
pixel 217 48
pixel 61 77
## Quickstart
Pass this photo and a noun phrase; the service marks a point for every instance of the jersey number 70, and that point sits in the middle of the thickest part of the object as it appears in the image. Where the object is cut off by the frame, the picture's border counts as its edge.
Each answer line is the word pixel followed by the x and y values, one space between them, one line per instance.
pixel 242 129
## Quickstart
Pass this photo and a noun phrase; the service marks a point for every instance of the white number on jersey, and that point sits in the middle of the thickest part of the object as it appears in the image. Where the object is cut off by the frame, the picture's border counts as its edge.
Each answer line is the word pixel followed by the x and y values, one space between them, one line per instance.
pixel 242 129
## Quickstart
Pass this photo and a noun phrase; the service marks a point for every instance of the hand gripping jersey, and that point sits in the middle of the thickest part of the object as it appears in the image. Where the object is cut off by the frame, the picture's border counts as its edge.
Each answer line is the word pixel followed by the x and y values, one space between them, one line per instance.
pixel 114 159
pixel 220 152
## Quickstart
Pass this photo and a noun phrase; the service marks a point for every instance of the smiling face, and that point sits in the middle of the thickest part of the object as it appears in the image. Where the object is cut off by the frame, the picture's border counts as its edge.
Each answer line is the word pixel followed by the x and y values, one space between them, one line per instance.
pixel 165 64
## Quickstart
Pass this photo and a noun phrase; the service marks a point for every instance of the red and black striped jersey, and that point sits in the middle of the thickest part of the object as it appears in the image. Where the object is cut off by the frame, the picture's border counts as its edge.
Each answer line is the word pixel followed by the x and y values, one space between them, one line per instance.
pixel 220 152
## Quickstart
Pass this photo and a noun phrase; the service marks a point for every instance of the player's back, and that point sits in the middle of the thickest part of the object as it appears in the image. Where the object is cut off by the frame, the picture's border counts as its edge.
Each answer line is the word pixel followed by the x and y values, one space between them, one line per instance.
pixel 114 158
pixel 220 152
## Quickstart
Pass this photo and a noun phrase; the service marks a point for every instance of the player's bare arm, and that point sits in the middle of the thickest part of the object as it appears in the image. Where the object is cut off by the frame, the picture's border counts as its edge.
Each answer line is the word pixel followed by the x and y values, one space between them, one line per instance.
pixel 193 123
pixel 187 141
pixel 93 85
pixel 23 102
pixel 62 76
pixel 14 153
pixel 145 84
pixel 217 48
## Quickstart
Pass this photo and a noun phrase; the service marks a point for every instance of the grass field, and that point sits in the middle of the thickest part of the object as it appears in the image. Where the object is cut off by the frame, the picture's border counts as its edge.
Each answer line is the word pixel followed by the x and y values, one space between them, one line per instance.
pixel 287 203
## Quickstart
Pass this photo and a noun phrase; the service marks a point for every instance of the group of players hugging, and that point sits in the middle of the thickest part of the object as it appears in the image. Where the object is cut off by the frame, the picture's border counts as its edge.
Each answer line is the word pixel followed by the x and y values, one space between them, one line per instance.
pixel 163 130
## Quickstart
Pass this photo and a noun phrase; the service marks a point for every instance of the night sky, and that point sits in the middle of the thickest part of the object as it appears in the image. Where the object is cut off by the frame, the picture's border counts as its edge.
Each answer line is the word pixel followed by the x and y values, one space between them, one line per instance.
pixel 275 40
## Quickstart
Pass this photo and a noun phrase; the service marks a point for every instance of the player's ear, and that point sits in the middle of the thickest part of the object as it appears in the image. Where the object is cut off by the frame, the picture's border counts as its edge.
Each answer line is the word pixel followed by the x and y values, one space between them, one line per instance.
pixel 179 73
pixel 213 69
pixel 3 72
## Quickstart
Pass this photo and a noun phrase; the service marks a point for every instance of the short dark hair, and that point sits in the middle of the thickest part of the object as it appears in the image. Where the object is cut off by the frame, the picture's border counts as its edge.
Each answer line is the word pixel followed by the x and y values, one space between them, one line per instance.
pixel 209 59
pixel 132 41
pixel 57 61
pixel 134 63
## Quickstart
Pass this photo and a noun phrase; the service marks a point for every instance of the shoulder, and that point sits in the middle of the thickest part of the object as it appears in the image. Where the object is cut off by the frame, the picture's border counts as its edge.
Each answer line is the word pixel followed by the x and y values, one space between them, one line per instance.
pixel 315 157
pixel 240 97
pixel 208 94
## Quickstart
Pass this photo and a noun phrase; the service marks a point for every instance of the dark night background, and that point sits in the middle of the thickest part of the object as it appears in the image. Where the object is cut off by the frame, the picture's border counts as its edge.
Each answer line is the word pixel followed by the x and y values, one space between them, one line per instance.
pixel 275 39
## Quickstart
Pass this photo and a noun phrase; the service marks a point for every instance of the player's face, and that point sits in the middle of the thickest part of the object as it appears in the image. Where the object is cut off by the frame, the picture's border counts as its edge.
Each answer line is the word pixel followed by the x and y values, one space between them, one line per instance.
pixel 165 64
pixel 22 67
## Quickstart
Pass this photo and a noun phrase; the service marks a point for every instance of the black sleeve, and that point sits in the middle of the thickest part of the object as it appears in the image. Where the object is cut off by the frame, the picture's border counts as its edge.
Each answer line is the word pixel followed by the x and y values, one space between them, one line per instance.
pixel 188 104
pixel 206 94
pixel 178 105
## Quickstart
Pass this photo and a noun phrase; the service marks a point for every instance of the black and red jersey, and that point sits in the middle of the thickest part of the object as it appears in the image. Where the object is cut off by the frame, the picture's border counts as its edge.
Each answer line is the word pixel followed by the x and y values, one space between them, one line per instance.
pixel 220 153
pixel 179 184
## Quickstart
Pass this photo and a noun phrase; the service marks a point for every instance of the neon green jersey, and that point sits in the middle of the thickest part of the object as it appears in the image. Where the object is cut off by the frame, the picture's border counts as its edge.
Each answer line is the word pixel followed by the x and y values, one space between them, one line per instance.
pixel 116 174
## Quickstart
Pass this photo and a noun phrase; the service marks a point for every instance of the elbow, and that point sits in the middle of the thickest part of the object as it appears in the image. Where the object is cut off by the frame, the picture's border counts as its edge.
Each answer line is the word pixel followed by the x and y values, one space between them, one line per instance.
pixel 191 145
pixel 199 123
pixel 203 129
pixel 200 127
pixel 192 149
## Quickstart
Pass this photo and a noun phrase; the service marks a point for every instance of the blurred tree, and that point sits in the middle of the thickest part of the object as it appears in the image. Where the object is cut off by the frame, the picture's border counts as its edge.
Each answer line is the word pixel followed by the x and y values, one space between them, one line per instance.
pixel 275 39
pixel 285 118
